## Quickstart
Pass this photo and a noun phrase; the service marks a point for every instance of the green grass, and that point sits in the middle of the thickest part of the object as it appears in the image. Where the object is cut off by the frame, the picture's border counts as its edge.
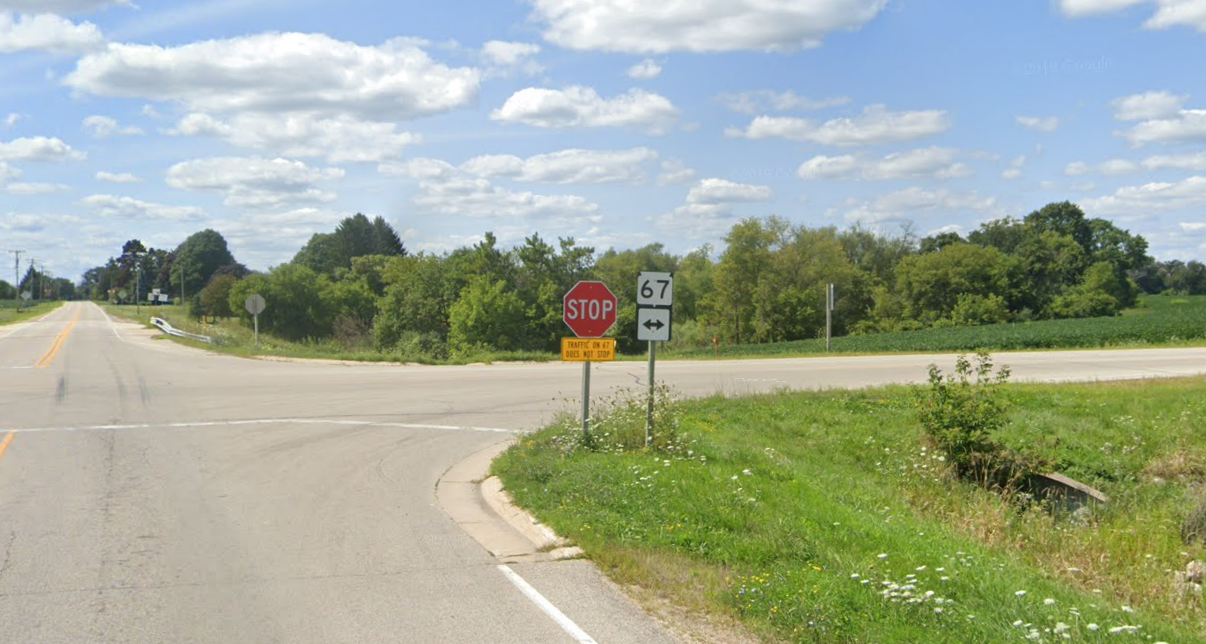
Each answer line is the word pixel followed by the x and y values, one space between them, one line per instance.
pixel 9 315
pixel 826 517
pixel 1160 320
pixel 234 338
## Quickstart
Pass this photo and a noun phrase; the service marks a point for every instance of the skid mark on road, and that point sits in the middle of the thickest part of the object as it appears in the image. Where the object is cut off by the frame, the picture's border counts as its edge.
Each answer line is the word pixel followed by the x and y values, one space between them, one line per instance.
pixel 260 421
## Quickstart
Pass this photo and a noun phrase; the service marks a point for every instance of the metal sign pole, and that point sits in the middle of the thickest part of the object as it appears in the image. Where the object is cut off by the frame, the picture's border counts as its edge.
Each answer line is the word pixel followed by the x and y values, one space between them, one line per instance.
pixel 256 318
pixel 649 403
pixel 828 315
pixel 586 402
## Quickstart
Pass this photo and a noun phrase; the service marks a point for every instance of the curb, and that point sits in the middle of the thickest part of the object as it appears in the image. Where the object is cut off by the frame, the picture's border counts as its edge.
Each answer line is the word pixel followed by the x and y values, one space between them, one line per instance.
pixel 477 503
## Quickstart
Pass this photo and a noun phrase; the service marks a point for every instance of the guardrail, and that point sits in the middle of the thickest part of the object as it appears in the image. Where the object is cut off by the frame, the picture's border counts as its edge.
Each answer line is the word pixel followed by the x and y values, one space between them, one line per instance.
pixel 167 328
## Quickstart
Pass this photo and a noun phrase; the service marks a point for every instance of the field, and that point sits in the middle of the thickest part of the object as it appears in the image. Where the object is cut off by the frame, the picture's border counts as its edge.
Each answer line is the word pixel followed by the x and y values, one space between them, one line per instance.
pixel 1159 320
pixel 828 517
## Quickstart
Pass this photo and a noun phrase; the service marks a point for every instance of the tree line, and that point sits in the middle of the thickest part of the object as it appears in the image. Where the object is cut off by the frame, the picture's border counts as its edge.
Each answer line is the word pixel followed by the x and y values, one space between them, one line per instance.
pixel 360 285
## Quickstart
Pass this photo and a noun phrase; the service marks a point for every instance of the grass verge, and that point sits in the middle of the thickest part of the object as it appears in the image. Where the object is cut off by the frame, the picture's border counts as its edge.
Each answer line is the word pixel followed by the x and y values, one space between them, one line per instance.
pixel 826 517
pixel 9 315
pixel 234 338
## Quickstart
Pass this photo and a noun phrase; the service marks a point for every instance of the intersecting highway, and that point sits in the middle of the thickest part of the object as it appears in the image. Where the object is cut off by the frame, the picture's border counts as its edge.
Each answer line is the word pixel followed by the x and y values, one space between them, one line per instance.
pixel 153 493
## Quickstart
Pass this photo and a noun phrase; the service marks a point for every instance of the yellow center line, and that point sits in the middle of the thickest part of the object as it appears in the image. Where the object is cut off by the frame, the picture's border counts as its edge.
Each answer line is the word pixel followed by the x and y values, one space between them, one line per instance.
pixel 58 342
pixel 4 443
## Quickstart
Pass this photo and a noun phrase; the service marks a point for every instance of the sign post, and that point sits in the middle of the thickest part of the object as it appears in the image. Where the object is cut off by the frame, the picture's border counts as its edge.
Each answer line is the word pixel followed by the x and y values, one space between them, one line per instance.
pixel 655 304
pixel 255 306
pixel 589 310
pixel 828 314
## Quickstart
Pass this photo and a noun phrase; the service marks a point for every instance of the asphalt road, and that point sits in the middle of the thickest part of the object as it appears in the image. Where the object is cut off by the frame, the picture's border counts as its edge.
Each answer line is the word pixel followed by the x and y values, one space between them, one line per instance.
pixel 153 493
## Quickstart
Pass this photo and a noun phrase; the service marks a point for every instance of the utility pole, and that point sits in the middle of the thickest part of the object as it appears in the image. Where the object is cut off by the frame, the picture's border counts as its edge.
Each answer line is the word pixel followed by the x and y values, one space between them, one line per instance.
pixel 17 276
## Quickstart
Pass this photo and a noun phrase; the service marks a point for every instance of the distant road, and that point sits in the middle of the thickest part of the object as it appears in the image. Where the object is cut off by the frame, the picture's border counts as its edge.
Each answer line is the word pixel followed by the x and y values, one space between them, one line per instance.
pixel 154 493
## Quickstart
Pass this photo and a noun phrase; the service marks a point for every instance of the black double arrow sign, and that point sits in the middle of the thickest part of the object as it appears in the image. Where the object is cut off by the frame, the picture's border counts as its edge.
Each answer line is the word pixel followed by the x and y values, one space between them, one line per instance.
pixel 653 325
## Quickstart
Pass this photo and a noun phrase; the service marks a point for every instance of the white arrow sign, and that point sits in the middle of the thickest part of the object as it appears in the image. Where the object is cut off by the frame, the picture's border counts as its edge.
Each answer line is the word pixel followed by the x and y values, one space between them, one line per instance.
pixel 653 325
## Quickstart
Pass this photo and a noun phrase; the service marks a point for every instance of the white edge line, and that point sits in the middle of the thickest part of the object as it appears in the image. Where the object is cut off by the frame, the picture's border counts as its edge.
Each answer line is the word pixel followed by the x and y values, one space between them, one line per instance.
pixel 110 320
pixel 259 421
pixel 545 605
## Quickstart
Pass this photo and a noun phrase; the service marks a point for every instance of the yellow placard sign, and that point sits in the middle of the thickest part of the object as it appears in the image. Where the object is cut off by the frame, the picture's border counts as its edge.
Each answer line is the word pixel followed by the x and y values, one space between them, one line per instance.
pixel 588 349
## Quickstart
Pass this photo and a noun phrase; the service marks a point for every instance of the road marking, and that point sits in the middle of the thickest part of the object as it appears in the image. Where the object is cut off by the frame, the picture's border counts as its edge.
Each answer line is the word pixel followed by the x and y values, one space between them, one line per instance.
pixel 545 605
pixel 58 342
pixel 4 443
pixel 110 321
pixel 262 421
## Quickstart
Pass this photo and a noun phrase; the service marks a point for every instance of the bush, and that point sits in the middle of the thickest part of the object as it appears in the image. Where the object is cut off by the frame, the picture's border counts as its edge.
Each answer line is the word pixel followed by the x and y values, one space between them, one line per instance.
pixel 961 415
pixel 1082 303
pixel 973 310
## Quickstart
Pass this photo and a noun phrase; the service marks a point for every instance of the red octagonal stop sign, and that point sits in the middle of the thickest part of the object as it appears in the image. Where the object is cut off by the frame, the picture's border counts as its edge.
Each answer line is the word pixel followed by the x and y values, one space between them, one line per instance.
pixel 589 309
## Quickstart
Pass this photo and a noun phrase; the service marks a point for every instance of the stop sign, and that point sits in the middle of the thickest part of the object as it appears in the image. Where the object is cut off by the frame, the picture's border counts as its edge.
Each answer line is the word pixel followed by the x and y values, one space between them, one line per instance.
pixel 589 309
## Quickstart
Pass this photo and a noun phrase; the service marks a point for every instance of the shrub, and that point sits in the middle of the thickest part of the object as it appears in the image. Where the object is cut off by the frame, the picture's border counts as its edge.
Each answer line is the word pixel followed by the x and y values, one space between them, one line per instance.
pixel 961 415
pixel 972 310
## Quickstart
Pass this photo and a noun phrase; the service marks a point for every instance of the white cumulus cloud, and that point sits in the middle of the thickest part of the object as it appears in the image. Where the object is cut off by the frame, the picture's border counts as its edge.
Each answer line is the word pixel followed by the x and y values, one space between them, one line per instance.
pixel 1015 168
pixel 446 190
pixel 502 57
pixel 38 148
pixel 1038 123
pixel 104 126
pixel 1148 105
pixel 131 208
pixel 578 106
pixel 22 188
pixel 675 171
pixel 338 139
pixel 1187 126
pixel 47 32
pixel 254 182
pixel 709 209
pixel 1191 161
pixel 699 25
pixel 117 177
pixel 1168 13
pixel 1110 168
pixel 931 162
pixel 876 125
pixel 566 166
pixel 645 70
pixel 909 202
pixel 763 100
pixel 721 191
pixel 282 73
pixel 1142 200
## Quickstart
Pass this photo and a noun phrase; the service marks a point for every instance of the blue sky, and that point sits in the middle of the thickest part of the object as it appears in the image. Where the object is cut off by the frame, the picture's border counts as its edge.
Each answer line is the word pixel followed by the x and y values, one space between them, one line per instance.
pixel 617 123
